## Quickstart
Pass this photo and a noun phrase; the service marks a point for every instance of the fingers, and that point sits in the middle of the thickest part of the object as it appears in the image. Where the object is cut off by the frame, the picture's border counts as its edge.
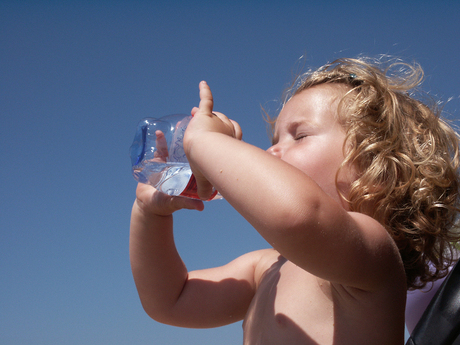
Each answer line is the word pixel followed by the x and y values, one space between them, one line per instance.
pixel 233 125
pixel 194 111
pixel 205 189
pixel 206 108
pixel 179 203
pixel 206 100
pixel 152 201
pixel 237 129
pixel 161 145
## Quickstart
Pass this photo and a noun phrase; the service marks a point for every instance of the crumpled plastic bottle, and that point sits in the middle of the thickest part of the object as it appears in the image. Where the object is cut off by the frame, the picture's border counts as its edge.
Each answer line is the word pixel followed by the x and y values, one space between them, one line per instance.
pixel 158 157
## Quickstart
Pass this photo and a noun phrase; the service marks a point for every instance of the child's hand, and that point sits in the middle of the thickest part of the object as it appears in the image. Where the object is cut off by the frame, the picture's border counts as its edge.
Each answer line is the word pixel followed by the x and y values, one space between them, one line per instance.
pixel 152 202
pixel 206 121
pixel 161 154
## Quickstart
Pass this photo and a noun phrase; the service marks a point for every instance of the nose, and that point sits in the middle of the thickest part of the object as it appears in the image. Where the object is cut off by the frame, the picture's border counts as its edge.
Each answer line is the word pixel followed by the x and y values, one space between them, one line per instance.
pixel 275 150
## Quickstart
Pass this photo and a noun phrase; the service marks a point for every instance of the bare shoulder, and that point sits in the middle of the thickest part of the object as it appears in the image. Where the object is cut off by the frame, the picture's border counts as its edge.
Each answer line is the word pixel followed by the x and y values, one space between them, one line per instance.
pixel 378 254
pixel 356 251
pixel 263 260
pixel 249 267
pixel 376 281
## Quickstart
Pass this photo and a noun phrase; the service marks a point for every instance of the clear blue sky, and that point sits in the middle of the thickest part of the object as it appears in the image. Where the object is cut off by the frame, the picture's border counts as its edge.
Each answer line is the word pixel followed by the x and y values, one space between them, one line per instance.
pixel 77 76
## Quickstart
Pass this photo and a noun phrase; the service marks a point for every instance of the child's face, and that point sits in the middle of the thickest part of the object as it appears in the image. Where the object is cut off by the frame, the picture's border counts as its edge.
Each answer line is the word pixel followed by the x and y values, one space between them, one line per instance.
pixel 309 137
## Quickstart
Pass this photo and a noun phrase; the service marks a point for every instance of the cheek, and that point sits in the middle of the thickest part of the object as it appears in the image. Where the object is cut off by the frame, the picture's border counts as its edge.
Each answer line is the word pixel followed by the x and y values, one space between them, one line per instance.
pixel 297 157
pixel 312 161
pixel 323 163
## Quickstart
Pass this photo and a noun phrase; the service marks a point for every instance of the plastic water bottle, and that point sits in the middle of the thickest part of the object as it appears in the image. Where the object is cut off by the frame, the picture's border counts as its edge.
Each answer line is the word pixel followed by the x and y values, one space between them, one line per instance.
pixel 158 157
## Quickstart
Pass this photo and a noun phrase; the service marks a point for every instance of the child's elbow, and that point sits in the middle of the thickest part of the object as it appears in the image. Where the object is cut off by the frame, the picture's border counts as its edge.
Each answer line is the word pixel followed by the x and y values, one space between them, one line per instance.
pixel 157 311
pixel 297 219
pixel 158 315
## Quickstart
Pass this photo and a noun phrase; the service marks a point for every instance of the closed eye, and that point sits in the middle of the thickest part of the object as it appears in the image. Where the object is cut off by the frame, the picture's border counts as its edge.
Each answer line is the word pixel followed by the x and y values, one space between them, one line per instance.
pixel 300 137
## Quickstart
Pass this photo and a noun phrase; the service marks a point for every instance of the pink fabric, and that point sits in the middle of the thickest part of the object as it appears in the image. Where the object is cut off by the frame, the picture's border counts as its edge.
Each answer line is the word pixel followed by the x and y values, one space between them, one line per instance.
pixel 417 301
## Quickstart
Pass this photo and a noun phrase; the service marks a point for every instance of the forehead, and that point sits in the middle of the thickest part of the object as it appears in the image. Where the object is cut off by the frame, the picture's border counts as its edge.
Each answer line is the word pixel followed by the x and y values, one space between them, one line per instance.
pixel 314 105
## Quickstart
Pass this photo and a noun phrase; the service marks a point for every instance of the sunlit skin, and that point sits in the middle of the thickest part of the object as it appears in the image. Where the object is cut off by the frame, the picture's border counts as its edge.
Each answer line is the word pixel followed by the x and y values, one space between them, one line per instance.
pixel 332 276
pixel 308 136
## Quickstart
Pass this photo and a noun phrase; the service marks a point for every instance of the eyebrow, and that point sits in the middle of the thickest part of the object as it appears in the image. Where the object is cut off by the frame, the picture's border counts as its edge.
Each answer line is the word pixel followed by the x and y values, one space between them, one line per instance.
pixel 291 127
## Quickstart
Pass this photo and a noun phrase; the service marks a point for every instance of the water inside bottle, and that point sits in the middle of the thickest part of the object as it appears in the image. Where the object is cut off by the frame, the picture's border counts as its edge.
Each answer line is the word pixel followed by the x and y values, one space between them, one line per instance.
pixel 169 178
pixel 175 179
pixel 162 163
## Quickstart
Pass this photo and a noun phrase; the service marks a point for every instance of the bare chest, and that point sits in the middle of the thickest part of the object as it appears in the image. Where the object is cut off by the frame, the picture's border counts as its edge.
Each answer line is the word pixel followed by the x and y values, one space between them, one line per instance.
pixel 291 306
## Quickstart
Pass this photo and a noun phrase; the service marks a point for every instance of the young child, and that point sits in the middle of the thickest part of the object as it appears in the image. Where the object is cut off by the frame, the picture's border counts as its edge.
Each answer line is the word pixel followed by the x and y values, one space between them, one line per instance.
pixel 357 196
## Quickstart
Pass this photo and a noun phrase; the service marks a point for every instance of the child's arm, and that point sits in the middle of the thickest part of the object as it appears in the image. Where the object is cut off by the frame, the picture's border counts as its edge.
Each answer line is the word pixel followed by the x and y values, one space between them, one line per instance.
pixel 169 294
pixel 294 215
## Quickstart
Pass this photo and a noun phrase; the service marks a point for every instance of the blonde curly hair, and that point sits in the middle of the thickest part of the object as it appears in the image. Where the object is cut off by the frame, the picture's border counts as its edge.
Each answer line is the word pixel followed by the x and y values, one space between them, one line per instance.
pixel 406 156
